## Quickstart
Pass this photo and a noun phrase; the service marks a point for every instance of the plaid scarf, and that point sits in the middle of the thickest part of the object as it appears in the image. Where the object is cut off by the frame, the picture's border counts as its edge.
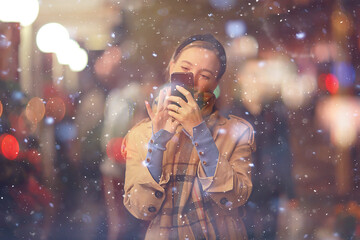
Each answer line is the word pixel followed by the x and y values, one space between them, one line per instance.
pixel 185 213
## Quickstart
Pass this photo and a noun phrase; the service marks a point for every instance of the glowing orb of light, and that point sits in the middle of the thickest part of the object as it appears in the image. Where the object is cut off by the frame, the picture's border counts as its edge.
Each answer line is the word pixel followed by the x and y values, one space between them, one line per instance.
pixel 114 149
pixel 331 83
pixel 35 110
pixel 23 11
pixel 55 108
pixel 79 60
pixel 9 146
pixel 51 36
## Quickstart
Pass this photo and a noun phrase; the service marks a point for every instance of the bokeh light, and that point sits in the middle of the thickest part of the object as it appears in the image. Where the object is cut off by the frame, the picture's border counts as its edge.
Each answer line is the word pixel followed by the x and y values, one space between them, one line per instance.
pixel 24 126
pixel 66 50
pixel 55 108
pixel 235 28
pixel 35 110
pixel 79 60
pixel 297 92
pixel 331 83
pixel 222 4
pixel 341 23
pixel 245 46
pixel 345 73
pixel 23 11
pixel 341 116
pixel 9 146
pixel 114 149
pixel 51 36
pixel 109 59
pixel 324 52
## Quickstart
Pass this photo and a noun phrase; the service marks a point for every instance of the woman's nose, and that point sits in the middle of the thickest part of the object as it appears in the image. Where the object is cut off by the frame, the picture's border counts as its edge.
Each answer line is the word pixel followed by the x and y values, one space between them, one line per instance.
pixel 195 79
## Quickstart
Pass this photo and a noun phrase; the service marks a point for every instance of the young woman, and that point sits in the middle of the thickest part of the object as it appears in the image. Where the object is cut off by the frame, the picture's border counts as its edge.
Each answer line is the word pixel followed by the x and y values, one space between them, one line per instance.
pixel 188 168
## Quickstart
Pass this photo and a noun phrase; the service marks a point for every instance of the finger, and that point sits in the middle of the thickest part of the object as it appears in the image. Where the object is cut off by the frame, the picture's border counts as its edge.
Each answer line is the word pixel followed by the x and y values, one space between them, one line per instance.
pixel 167 95
pixel 177 100
pixel 149 110
pixel 186 93
pixel 174 108
pixel 161 98
pixel 175 115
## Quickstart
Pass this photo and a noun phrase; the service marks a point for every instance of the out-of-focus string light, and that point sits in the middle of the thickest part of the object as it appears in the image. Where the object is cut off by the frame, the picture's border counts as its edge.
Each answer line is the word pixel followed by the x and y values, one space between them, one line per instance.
pixel 245 47
pixel 51 37
pixel 263 81
pixel 79 60
pixel 54 38
pixel 55 108
pixel 24 126
pixel 296 92
pixel 345 73
pixel 35 110
pixel 331 83
pixel 66 50
pixel 341 116
pixel 114 149
pixel 235 28
pixel 23 11
pixel 9 146
pixel 325 52
pixel 341 23
pixel 108 61
pixel 222 4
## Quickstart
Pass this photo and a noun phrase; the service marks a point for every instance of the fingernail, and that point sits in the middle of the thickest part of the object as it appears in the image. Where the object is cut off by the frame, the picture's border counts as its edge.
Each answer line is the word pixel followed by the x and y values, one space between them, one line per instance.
pixel 146 102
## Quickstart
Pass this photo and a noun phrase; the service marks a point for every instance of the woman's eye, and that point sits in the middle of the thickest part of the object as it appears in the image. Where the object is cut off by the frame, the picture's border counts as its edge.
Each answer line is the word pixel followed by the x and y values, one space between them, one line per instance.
pixel 206 77
pixel 185 69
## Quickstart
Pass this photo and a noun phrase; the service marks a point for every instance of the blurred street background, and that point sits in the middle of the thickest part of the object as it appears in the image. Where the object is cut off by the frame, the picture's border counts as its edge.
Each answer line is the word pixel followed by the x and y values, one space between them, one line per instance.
pixel 74 75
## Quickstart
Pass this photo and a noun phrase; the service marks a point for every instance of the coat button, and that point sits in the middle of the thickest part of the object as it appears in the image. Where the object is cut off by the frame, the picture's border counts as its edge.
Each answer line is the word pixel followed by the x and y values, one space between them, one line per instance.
pixel 223 201
pixel 158 194
pixel 149 150
pixel 152 209
pixel 205 163
pixel 148 160
pixel 196 144
pixel 151 141
pixel 201 153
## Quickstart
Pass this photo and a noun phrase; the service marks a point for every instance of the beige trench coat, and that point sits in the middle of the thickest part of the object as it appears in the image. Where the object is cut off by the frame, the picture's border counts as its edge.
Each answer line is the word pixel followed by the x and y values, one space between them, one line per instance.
pixel 229 188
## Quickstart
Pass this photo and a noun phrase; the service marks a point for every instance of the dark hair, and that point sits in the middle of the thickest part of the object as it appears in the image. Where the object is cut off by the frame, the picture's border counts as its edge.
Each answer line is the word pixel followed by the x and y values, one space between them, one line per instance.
pixel 211 43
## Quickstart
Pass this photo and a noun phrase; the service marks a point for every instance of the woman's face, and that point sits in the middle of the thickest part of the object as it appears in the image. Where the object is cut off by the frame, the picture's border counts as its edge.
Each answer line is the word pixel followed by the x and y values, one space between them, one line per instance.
pixel 203 63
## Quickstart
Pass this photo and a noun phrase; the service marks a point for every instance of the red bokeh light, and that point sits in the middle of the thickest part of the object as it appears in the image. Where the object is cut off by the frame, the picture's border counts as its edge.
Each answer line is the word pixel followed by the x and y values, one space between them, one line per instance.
pixel 331 83
pixel 9 146
pixel 113 149
pixel 321 81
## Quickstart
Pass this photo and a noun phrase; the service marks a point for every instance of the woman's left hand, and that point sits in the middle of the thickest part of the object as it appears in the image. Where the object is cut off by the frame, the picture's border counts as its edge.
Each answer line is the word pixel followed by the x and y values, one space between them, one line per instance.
pixel 188 114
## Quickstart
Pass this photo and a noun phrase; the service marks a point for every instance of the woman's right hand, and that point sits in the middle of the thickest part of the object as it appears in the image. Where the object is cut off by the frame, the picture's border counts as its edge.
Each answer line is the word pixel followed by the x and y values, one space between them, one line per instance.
pixel 160 118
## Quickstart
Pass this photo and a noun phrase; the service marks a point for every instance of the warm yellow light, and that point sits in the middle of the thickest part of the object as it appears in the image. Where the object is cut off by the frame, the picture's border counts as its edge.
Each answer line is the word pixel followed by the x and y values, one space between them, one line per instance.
pixel 23 11
pixel 51 37
pixel 79 60
pixel 66 50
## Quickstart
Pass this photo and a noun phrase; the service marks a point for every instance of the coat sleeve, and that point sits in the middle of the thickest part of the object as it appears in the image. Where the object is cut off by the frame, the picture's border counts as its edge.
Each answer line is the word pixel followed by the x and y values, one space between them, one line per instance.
pixel 231 185
pixel 143 195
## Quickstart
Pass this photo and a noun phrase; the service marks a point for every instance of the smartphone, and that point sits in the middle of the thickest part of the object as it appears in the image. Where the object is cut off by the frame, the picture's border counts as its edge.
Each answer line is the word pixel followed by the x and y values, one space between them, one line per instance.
pixel 184 79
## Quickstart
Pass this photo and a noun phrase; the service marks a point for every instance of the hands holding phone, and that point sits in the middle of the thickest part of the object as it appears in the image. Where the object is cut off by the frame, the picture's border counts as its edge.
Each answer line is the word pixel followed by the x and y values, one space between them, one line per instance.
pixel 188 114
pixel 161 118
pixel 183 108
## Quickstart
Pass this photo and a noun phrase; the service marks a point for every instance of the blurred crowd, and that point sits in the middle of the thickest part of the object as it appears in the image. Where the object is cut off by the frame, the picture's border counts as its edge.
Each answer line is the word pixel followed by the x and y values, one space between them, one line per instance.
pixel 296 82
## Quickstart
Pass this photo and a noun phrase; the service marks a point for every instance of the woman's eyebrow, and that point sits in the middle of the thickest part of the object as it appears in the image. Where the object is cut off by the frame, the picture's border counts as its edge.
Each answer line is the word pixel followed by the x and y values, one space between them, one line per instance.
pixel 184 61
